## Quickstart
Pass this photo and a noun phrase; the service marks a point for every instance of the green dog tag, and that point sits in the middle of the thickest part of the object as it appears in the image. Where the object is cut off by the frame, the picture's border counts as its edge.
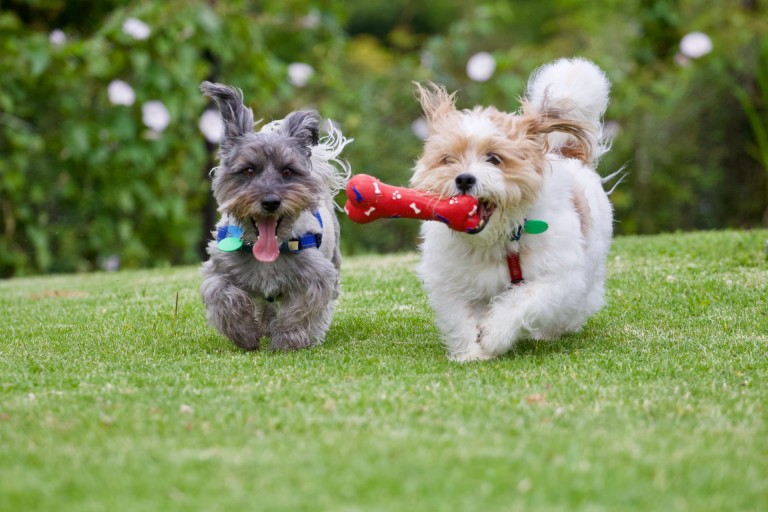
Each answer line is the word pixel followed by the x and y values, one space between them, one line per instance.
pixel 536 227
pixel 230 244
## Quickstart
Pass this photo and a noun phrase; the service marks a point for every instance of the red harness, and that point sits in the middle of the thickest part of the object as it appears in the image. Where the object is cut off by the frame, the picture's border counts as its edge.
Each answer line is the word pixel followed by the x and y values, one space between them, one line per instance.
pixel 533 227
pixel 515 271
pixel 513 258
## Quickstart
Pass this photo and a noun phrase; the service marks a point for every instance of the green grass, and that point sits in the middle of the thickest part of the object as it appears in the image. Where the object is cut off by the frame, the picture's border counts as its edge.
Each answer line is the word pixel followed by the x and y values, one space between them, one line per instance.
pixel 110 399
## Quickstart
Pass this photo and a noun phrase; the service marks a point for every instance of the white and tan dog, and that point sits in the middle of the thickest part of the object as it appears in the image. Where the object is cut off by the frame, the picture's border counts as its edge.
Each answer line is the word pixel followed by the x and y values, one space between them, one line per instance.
pixel 506 283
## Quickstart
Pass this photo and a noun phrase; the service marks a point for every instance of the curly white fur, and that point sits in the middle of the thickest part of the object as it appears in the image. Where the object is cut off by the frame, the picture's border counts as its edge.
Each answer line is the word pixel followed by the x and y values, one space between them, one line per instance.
pixel 326 160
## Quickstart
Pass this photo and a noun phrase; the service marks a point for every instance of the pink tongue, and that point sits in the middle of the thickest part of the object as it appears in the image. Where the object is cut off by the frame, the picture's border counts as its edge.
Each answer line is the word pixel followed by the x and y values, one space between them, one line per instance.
pixel 266 249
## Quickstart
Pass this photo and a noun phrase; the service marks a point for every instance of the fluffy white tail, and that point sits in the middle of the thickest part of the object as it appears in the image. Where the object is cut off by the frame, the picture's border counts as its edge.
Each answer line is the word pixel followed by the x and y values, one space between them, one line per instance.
pixel 580 89
pixel 327 163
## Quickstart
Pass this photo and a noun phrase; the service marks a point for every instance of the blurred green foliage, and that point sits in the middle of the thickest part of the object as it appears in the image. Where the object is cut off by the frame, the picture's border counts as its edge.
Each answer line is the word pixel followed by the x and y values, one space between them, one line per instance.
pixel 83 181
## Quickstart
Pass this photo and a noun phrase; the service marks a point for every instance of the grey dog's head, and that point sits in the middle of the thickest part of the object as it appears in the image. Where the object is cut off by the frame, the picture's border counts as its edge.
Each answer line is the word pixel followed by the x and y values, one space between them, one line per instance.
pixel 265 174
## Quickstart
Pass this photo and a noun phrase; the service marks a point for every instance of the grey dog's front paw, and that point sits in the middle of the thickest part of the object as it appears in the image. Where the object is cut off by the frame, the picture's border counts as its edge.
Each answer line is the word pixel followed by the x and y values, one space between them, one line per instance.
pixel 290 340
pixel 246 342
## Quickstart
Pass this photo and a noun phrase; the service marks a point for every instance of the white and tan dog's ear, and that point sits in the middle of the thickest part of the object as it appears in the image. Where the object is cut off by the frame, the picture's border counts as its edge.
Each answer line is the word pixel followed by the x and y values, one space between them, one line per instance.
pixel 435 101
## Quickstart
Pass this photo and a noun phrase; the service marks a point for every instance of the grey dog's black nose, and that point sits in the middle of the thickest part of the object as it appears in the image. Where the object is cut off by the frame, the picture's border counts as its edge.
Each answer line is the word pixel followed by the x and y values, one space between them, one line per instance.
pixel 465 181
pixel 270 203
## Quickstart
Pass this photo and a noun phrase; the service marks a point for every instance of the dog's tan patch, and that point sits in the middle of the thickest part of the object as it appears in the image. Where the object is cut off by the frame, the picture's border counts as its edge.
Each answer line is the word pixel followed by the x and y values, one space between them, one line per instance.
pixel 574 151
pixel 581 206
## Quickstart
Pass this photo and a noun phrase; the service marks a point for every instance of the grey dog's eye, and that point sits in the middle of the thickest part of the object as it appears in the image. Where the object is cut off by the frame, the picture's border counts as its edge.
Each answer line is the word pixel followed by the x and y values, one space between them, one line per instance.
pixel 287 172
pixel 249 171
pixel 493 159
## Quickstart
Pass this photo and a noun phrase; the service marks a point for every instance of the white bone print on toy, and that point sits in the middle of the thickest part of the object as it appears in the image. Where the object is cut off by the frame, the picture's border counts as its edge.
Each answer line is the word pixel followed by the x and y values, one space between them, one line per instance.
pixel 376 189
pixel 396 195
pixel 474 211
pixel 370 211
pixel 415 208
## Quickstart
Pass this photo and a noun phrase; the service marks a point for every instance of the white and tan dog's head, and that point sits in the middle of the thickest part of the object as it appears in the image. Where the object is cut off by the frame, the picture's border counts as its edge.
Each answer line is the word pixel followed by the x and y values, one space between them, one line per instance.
pixel 496 156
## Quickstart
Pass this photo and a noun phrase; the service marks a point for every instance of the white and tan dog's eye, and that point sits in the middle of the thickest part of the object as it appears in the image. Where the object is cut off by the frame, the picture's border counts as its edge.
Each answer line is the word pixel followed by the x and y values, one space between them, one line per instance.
pixel 447 160
pixel 493 159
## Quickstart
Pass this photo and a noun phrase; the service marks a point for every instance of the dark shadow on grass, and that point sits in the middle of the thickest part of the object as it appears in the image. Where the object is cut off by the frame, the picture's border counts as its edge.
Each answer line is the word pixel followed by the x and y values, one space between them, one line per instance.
pixel 353 334
pixel 214 343
pixel 587 338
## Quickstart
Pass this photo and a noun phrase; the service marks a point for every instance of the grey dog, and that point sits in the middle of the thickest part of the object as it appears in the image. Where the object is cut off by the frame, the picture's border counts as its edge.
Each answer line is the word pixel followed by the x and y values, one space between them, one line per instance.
pixel 274 266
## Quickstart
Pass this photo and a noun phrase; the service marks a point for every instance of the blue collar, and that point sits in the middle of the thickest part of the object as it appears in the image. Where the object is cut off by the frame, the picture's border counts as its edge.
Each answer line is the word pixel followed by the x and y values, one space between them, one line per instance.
pixel 229 238
pixel 306 241
pixel 516 233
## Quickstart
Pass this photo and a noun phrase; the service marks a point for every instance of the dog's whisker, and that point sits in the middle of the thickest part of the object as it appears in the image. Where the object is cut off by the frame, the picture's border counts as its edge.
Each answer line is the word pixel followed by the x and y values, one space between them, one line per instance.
pixel 621 177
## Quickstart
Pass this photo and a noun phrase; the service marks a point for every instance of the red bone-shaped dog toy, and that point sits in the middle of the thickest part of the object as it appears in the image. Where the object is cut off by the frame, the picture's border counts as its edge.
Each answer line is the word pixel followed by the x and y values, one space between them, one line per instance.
pixel 369 199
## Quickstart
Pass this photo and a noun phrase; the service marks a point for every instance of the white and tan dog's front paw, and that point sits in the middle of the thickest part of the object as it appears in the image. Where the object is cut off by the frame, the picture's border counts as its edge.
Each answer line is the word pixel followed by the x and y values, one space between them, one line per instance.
pixel 495 342
pixel 473 353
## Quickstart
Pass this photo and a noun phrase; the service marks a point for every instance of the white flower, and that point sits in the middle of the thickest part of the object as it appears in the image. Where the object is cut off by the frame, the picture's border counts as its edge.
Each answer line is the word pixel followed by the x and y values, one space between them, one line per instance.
pixel 299 73
pixel 311 20
pixel 695 45
pixel 480 66
pixel 272 126
pixel 211 126
pixel 120 93
pixel 419 128
pixel 136 28
pixel 155 115
pixel 111 263
pixel 427 60
pixel 57 37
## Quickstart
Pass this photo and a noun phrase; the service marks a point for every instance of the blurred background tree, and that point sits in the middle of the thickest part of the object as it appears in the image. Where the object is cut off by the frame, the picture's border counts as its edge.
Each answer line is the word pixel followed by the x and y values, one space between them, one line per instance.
pixel 103 160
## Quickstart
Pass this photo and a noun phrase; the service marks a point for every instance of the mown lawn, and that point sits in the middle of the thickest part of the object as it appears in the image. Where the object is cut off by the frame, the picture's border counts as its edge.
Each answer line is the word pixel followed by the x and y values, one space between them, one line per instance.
pixel 112 398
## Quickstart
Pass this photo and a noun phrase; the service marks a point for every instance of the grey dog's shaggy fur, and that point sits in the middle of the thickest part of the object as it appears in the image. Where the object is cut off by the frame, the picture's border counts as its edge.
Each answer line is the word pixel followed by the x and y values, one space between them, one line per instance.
pixel 284 172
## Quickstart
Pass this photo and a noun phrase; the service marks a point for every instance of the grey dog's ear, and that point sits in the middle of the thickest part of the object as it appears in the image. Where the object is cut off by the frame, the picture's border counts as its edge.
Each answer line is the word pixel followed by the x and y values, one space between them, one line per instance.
pixel 303 126
pixel 238 119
